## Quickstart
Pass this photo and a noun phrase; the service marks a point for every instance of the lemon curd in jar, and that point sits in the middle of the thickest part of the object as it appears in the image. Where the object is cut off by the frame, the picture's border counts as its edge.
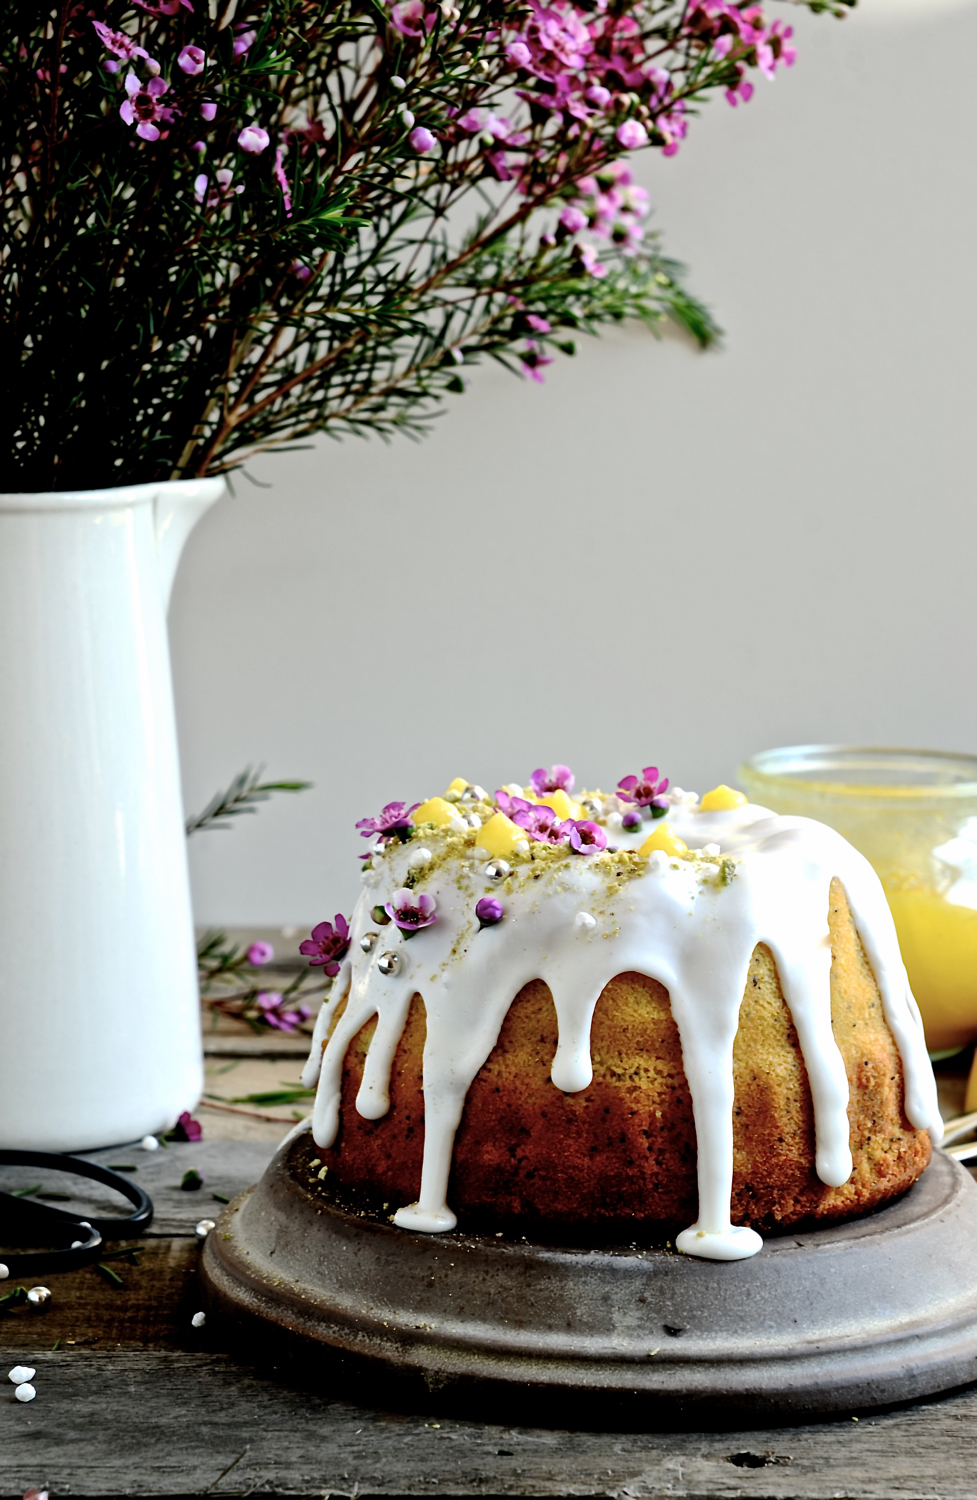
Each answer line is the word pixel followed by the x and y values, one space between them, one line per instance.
pixel 913 814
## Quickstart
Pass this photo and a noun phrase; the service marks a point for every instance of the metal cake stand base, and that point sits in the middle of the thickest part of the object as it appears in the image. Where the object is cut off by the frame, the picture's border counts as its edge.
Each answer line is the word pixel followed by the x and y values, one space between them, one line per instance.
pixel 873 1312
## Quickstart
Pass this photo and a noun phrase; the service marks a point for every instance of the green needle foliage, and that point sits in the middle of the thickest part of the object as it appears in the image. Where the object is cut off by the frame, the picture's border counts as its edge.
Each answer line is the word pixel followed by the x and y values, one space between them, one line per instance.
pixel 227 225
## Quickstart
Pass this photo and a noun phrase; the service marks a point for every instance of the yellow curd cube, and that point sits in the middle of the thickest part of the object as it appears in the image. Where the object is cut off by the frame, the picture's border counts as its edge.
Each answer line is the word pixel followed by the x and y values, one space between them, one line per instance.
pixel 458 785
pixel 499 836
pixel 722 798
pixel 664 839
pixel 562 805
pixel 435 810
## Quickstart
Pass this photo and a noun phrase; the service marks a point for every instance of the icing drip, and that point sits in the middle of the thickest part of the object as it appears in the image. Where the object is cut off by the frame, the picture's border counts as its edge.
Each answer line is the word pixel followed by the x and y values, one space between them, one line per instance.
pixel 692 923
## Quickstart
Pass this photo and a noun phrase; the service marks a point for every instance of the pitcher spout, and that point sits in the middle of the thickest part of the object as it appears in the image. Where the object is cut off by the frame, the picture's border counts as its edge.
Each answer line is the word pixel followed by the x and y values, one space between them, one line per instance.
pixel 178 506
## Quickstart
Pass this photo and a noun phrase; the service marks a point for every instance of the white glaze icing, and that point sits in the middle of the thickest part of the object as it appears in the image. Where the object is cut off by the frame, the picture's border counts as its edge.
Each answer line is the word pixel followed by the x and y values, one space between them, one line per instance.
pixel 691 923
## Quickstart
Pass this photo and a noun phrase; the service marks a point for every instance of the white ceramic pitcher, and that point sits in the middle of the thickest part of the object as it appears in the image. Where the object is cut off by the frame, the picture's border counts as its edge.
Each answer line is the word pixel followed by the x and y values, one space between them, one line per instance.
pixel 99 1012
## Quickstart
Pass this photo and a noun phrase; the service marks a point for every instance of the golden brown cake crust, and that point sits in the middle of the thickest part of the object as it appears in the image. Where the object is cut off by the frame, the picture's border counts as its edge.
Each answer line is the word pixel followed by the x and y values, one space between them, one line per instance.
pixel 623 1150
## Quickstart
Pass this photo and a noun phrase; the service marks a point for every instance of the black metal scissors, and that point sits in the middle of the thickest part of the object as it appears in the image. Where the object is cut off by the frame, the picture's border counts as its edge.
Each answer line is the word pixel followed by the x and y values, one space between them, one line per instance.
pixel 25 1220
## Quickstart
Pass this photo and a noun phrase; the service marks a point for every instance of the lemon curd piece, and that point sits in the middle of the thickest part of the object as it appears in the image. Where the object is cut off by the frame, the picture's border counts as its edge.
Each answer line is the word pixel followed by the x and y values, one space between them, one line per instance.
pixel 458 785
pixel 664 839
pixel 722 798
pixel 562 805
pixel 435 810
pixel 499 835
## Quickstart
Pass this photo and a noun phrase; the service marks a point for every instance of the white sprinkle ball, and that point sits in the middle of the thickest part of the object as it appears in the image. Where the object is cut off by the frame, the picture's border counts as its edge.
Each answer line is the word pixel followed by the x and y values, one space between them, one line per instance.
pixel 199 1319
pixel 457 824
pixel 615 820
pixel 25 1392
pixel 584 920
pixel 420 857
pixel 521 846
pixel 480 853
pixel 658 859
pixel 20 1373
pixel 40 1296
pixel 4 1271
pixel 149 1143
pixel 709 849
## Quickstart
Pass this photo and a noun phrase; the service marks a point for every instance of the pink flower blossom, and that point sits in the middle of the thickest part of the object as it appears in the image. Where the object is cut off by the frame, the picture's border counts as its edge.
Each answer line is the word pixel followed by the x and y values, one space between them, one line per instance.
pixel 394 821
pixel 260 953
pixel 192 60
pixel 589 262
pixel 631 135
pixel 518 54
pixel 556 779
pixel 142 108
pixel 411 912
pixel 254 140
pixel 421 139
pixel 541 823
pixel 270 1002
pixel 208 110
pixel 645 791
pixel 327 946
pixel 411 18
pixel 534 362
pixel 186 1129
pixel 300 270
pixel 117 42
pixel 573 219
pixel 587 837
pixel 244 40
pixel 598 96
pixel 165 7
pixel 220 192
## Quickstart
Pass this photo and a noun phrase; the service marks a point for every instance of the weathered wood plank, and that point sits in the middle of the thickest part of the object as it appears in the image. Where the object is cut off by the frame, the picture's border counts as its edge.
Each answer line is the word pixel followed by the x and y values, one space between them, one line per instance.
pixel 151 1310
pixel 113 1423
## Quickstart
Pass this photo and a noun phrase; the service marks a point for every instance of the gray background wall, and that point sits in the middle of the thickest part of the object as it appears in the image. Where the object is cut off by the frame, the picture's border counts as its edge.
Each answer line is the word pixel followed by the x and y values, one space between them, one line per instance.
pixel 661 555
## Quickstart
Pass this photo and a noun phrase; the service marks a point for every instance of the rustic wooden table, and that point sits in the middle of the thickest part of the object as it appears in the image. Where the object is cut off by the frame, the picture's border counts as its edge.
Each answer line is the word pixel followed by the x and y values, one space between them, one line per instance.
pixel 132 1400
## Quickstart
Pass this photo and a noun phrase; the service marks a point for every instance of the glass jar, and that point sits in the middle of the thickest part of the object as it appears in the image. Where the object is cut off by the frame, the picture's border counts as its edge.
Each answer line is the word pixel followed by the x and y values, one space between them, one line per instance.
pixel 913 814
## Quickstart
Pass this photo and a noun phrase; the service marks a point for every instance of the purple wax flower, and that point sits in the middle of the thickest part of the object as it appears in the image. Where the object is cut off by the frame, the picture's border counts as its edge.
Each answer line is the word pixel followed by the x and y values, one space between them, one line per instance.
pixel 208 109
pixel 395 819
pixel 647 791
pixel 411 911
pixel 244 40
pixel 587 837
pixel 488 911
pixel 186 1129
pixel 118 42
pixel 556 779
pixel 269 1002
pixel 142 107
pixel 573 220
pixel 511 805
pixel 541 823
pixel 192 60
pixel 260 953
pixel 254 139
pixel 421 139
pixel 631 135
pixel 631 820
pixel 327 945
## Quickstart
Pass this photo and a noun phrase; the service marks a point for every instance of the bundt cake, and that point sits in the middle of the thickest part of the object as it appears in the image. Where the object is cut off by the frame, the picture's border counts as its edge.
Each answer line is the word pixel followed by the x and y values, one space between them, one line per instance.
pixel 617 1013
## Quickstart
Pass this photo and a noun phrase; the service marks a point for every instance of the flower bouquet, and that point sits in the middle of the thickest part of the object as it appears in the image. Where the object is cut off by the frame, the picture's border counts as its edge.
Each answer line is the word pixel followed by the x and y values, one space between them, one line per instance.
pixel 231 224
